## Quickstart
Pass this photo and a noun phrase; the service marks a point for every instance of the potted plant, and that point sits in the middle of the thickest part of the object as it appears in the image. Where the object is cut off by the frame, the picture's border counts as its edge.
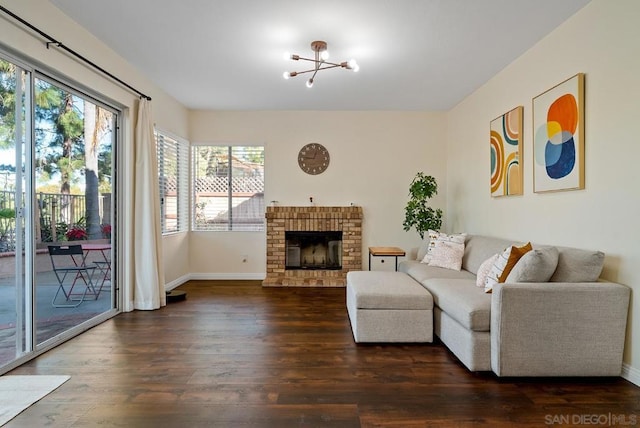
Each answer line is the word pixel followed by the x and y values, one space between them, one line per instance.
pixel 417 213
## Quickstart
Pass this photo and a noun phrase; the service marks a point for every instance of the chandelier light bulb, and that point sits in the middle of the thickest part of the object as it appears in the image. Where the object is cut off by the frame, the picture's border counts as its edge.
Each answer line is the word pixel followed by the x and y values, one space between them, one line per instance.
pixel 286 56
pixel 286 75
pixel 310 83
pixel 353 65
pixel 324 55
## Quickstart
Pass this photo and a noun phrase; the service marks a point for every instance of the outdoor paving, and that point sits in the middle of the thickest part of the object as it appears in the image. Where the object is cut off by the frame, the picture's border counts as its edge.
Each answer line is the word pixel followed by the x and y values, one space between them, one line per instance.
pixel 50 320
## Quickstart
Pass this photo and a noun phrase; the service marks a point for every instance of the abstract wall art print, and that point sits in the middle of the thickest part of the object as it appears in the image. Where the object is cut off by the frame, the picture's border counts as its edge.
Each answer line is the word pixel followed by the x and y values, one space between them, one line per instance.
pixel 506 153
pixel 558 137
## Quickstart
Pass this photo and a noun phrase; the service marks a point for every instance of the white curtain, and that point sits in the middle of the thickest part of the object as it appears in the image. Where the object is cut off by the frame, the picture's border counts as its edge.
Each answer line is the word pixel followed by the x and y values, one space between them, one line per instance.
pixel 149 290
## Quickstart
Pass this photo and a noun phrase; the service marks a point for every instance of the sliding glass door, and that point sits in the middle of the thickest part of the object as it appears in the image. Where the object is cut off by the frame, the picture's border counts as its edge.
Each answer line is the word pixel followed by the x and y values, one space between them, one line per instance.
pixel 14 324
pixel 57 270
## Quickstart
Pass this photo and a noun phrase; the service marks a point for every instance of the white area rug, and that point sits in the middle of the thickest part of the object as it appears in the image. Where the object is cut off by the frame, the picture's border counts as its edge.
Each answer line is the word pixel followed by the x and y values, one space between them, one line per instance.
pixel 19 392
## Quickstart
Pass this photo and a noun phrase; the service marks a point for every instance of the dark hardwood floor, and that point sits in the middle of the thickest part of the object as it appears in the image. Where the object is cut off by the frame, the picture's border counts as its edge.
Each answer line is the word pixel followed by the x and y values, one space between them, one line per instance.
pixel 235 354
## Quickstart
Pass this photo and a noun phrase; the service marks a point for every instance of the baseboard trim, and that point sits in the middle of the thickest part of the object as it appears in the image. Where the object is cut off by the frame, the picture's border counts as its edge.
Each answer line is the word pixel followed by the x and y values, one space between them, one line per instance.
pixel 177 282
pixel 212 277
pixel 631 374
pixel 222 276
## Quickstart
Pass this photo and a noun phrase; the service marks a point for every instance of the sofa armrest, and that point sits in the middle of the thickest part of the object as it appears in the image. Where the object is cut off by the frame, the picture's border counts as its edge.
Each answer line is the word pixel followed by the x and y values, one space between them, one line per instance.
pixel 558 329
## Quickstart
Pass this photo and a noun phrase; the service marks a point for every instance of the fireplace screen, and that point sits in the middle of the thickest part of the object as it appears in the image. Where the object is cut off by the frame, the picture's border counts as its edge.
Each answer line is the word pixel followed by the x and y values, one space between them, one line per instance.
pixel 313 250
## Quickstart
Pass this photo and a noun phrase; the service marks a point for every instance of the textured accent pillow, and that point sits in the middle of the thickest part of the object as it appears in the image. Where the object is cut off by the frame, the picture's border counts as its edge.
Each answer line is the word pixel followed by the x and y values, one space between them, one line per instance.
pixel 483 270
pixel 435 236
pixel 457 238
pixel 535 266
pixel 503 265
pixel 447 254
pixel 576 265
pixel 429 241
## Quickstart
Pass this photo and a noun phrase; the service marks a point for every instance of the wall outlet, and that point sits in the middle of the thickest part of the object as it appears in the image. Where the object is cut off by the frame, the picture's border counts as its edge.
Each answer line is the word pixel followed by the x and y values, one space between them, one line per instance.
pixel 245 258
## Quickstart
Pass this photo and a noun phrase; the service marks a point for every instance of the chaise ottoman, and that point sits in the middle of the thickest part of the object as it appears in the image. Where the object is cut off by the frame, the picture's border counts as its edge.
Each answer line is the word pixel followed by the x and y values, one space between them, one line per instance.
pixel 388 307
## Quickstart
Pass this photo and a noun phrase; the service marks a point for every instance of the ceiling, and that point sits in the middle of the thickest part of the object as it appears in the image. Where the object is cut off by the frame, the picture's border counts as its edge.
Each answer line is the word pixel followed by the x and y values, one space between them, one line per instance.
pixel 228 54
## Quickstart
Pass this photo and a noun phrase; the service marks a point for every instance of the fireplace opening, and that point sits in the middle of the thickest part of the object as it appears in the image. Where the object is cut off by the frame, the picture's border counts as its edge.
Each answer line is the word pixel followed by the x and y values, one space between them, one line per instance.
pixel 313 250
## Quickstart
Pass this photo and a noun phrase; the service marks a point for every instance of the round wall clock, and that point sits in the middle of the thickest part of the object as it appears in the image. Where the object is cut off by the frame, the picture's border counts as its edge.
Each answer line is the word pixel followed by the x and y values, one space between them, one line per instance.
pixel 313 158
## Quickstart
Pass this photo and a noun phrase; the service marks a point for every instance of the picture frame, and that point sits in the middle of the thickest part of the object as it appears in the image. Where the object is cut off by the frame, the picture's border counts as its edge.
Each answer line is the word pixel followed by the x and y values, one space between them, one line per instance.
pixel 505 140
pixel 558 137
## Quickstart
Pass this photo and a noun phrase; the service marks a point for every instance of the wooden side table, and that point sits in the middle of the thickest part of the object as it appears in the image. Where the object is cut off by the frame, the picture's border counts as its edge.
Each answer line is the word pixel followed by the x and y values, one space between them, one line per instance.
pixel 386 252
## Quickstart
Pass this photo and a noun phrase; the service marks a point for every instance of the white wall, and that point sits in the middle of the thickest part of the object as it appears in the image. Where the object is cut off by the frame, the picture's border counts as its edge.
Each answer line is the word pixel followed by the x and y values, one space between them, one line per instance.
pixel 168 113
pixel 601 41
pixel 374 156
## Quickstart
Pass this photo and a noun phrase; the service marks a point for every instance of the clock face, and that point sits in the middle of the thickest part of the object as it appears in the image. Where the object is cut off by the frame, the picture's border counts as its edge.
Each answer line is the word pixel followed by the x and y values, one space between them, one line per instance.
pixel 313 158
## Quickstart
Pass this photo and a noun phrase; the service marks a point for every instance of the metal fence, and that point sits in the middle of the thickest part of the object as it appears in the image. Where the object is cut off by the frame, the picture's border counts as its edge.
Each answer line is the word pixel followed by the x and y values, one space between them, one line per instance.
pixel 56 213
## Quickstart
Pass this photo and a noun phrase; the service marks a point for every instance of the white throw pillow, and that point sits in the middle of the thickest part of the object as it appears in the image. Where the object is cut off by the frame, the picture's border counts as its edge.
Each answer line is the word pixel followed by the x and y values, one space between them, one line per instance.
pixel 504 264
pixel 484 269
pixel 424 253
pixel 447 254
pixel 457 238
pixel 496 270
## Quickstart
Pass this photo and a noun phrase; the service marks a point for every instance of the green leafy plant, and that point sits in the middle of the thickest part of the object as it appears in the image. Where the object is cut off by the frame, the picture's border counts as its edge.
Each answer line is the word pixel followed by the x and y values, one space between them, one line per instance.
pixel 46 233
pixel 417 212
pixel 7 229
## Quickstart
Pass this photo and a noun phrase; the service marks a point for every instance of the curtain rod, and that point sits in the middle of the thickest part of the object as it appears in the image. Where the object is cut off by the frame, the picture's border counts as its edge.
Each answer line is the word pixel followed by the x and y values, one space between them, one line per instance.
pixel 52 41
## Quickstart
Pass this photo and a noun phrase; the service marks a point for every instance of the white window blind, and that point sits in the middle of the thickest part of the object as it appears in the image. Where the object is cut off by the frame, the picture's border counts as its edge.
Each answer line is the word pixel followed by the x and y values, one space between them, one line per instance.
pixel 228 188
pixel 173 173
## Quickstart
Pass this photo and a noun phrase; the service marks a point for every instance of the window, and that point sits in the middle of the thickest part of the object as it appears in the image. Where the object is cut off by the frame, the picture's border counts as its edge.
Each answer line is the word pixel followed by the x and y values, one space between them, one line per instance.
pixel 228 188
pixel 173 154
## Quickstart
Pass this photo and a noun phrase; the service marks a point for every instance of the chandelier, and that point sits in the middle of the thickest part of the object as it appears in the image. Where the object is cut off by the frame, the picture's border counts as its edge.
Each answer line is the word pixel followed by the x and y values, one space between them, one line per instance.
pixel 321 55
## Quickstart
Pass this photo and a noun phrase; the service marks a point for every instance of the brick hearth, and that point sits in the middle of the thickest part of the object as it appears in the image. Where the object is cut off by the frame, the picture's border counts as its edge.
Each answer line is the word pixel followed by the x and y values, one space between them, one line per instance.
pixel 303 219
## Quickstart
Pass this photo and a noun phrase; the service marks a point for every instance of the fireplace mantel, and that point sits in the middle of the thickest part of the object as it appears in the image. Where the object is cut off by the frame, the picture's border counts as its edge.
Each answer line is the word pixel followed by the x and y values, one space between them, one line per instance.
pixel 348 220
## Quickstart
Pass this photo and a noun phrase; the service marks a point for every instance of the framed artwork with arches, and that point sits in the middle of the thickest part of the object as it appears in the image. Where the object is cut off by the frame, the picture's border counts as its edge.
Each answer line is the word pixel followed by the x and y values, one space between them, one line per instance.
pixel 506 153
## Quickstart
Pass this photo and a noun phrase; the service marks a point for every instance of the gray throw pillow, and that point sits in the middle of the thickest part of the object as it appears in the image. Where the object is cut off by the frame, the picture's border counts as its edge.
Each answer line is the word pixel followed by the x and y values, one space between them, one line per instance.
pixel 535 266
pixel 575 265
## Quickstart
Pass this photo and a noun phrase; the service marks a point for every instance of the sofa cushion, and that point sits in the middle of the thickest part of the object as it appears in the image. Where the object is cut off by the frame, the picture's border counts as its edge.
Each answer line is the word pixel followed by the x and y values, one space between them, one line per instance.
pixel 462 301
pixel 478 248
pixel 576 265
pixel 536 266
pixel 420 271
pixel 387 290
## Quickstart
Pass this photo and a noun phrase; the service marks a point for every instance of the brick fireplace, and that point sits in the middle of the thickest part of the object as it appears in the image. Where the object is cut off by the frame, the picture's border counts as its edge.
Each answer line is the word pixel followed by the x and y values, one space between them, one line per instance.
pixel 280 220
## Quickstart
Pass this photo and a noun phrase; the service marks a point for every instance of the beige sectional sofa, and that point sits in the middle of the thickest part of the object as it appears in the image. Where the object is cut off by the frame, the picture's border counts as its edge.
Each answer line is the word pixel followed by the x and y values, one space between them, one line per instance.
pixel 571 325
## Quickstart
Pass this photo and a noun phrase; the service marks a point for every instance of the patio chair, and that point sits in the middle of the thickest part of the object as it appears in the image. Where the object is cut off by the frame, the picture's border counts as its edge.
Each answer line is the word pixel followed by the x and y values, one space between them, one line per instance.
pixel 104 268
pixel 68 261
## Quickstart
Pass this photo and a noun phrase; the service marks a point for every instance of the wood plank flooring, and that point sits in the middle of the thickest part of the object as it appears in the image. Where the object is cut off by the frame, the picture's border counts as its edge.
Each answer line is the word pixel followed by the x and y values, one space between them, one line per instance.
pixel 235 354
